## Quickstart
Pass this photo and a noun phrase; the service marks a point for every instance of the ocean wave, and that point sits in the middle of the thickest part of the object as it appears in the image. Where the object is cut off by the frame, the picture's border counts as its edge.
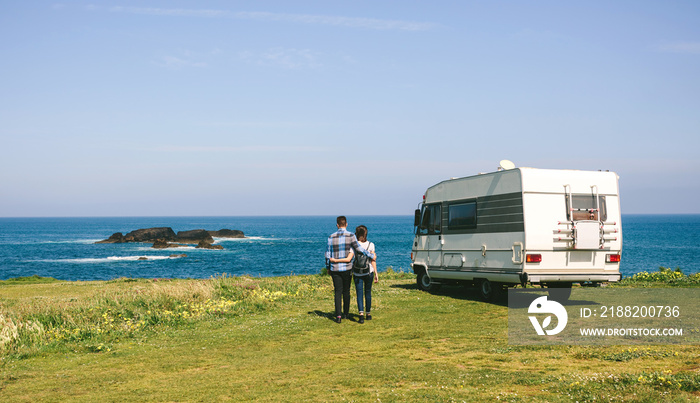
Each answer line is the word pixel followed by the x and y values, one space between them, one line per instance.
pixel 178 249
pixel 247 239
pixel 108 259
pixel 80 241
pixel 38 242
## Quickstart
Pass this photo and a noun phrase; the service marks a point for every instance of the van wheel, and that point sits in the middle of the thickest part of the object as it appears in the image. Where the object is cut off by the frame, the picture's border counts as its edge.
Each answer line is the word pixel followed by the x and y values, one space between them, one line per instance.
pixel 559 292
pixel 424 282
pixel 489 291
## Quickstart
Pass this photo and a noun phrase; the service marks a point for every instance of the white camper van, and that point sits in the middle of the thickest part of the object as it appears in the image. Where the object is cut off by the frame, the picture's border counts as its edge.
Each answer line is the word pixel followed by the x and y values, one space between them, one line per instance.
pixel 518 226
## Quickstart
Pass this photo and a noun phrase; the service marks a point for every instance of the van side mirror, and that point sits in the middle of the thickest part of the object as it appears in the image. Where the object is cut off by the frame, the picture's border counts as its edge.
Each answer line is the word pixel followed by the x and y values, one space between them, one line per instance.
pixel 416 219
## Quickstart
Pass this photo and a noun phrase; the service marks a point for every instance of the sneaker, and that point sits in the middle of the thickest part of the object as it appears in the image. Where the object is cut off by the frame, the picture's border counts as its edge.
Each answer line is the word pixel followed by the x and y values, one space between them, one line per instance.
pixel 338 319
pixel 369 316
pixel 362 319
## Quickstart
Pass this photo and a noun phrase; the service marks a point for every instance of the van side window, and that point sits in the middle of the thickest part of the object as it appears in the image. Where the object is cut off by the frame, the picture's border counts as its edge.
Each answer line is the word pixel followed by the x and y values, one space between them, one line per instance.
pixel 584 207
pixel 462 216
pixel 431 220
pixel 435 220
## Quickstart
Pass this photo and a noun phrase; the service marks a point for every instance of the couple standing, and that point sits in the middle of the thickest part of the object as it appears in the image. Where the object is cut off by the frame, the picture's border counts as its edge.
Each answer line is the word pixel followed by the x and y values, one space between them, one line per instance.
pixel 342 246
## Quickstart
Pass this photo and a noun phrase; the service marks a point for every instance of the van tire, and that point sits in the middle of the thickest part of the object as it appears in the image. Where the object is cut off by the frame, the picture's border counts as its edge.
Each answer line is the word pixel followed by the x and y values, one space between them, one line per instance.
pixel 559 292
pixel 489 291
pixel 425 283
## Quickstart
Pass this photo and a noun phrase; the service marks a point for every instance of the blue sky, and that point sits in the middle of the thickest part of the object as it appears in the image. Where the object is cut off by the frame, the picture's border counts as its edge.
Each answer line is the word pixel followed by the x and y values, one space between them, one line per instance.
pixel 337 107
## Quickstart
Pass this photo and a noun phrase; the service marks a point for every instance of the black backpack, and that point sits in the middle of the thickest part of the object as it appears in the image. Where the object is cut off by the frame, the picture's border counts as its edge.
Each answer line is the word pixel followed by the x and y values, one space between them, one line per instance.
pixel 361 263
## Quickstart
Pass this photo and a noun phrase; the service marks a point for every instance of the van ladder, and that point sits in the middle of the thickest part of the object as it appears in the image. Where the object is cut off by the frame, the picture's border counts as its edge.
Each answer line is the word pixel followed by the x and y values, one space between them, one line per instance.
pixel 580 233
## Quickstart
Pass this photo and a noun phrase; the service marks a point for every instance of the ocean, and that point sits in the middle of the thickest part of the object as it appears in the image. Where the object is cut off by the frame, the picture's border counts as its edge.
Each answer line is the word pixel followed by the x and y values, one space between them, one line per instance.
pixel 64 248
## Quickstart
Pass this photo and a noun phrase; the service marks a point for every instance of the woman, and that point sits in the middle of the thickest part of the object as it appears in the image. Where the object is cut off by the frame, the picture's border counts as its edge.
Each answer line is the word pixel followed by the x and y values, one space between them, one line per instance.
pixel 363 276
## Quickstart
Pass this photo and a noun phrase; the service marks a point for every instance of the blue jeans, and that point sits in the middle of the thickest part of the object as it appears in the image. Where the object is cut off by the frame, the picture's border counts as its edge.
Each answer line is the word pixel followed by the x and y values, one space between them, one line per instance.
pixel 363 286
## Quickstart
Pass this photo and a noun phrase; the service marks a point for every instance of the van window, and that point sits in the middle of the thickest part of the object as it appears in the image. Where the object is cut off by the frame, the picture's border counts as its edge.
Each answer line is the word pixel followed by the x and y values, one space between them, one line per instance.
pixel 462 216
pixel 431 220
pixel 584 208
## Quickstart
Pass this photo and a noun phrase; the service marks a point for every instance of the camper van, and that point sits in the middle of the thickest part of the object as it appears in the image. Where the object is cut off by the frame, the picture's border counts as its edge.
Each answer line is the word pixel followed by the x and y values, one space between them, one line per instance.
pixel 545 227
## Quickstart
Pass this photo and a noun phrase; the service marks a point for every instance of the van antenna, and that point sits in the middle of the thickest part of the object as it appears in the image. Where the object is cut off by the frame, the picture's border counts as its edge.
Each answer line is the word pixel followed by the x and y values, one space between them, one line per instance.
pixel 505 165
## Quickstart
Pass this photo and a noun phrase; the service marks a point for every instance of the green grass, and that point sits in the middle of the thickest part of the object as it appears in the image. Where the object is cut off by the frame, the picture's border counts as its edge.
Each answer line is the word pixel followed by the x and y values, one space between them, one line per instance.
pixel 664 277
pixel 35 279
pixel 272 339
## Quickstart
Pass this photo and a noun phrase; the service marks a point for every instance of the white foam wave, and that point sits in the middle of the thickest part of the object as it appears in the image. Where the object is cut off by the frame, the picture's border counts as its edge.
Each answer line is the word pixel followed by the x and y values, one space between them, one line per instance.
pixel 80 241
pixel 247 239
pixel 109 259
pixel 133 258
pixel 171 250
pixel 75 241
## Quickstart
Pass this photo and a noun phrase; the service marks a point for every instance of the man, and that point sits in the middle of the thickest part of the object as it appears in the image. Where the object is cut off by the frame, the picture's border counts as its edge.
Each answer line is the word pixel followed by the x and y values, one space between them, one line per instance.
pixel 340 244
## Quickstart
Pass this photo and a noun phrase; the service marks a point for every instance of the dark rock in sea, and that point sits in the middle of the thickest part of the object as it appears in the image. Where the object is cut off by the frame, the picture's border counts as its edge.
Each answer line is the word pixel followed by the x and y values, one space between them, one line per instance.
pixel 151 235
pixel 178 255
pixel 143 258
pixel 162 244
pixel 117 237
pixel 208 245
pixel 161 237
pixel 143 235
pixel 194 236
pixel 227 233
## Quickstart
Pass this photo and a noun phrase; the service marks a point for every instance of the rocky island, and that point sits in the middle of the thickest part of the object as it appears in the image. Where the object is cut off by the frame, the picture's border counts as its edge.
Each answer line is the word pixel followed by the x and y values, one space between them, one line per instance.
pixel 165 237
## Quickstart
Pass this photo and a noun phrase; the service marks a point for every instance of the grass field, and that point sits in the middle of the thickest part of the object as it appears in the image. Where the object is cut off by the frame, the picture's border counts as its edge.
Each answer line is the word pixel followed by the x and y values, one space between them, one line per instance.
pixel 272 339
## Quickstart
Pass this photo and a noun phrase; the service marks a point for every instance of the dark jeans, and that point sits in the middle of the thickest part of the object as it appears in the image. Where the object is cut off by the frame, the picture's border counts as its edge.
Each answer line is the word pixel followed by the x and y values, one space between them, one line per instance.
pixel 363 285
pixel 341 286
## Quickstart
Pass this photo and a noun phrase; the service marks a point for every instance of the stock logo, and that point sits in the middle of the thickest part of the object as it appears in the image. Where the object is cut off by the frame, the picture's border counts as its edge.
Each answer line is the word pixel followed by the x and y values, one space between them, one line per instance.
pixel 542 305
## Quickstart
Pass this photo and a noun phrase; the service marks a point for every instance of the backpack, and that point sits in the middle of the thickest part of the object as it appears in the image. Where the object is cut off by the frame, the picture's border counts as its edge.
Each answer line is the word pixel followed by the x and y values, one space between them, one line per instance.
pixel 362 263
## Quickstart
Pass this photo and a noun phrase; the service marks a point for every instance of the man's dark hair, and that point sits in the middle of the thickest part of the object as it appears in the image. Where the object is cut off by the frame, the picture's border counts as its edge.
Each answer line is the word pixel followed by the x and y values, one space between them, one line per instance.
pixel 342 221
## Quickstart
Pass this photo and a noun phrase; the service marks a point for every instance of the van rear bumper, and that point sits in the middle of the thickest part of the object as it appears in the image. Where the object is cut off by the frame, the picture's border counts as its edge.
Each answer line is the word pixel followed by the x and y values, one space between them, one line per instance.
pixel 571 278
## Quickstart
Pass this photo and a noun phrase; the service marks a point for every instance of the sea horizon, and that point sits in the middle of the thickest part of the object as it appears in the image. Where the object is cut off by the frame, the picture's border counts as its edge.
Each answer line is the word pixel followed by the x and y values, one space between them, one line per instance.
pixel 280 215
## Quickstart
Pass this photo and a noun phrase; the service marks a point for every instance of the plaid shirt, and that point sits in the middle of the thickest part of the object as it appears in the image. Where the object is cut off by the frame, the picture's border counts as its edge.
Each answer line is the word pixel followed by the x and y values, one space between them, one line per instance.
pixel 340 244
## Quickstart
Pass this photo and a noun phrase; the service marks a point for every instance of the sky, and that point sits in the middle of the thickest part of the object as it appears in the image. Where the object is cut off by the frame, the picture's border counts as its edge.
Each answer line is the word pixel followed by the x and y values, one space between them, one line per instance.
pixel 224 108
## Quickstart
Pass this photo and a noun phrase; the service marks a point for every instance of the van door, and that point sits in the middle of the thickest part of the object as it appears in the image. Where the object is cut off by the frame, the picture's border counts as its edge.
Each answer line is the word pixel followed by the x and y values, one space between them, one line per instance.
pixel 434 234
pixel 421 240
